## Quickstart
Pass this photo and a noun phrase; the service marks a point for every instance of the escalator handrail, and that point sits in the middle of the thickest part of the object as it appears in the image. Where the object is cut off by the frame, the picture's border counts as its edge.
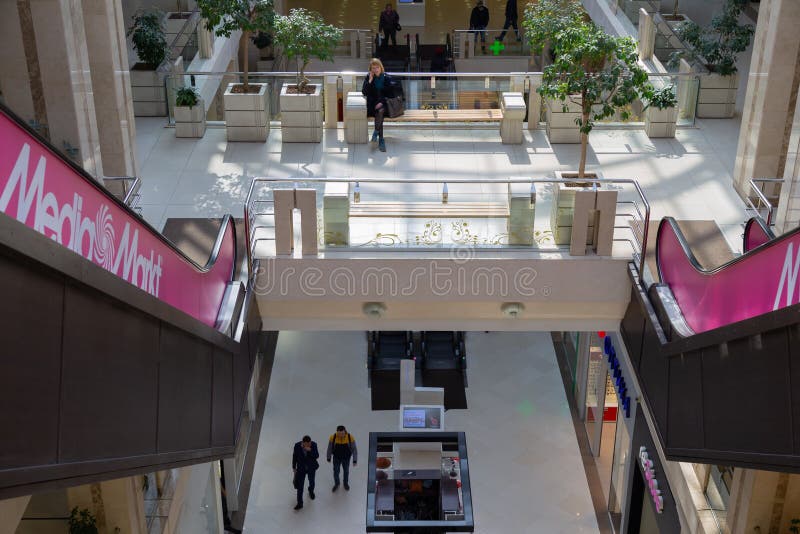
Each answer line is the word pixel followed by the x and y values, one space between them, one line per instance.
pixel 227 227
pixel 756 233
pixel 732 311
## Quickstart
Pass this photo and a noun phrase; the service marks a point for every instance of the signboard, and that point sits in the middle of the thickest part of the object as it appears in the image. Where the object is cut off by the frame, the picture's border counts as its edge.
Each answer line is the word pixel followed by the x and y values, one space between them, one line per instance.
pixel 418 417
pixel 40 190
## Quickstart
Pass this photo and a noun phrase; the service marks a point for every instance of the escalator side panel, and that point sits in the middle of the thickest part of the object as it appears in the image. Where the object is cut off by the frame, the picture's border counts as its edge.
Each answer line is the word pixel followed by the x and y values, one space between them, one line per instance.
pixel 685 414
pixel 222 421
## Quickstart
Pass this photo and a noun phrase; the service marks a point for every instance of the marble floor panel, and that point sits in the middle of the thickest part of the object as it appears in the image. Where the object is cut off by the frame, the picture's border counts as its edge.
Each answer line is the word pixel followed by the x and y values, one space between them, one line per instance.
pixel 525 465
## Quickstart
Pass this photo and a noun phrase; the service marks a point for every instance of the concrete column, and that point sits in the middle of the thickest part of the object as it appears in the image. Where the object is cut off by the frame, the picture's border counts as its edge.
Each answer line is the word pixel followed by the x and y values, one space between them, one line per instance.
pixel 647 35
pixel 534 102
pixel 14 77
pixel 11 511
pixel 123 503
pixel 767 135
pixel 763 501
pixel 63 58
pixel 111 85
pixel 788 213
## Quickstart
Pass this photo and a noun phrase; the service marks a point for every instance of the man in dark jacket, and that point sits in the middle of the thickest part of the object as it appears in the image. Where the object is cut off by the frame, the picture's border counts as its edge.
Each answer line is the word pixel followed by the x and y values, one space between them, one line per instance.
pixel 479 21
pixel 342 447
pixel 388 25
pixel 304 463
pixel 511 19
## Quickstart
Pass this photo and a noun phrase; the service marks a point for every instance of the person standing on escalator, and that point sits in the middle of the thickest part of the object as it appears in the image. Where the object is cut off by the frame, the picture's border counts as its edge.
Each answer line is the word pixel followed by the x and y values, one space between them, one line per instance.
pixel 389 24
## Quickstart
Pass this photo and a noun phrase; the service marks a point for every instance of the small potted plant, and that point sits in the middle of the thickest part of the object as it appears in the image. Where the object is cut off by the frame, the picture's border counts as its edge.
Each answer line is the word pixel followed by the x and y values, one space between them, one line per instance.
pixel 716 47
pixel 247 111
pixel 147 82
pixel 661 112
pixel 190 113
pixel 303 35
pixel 82 522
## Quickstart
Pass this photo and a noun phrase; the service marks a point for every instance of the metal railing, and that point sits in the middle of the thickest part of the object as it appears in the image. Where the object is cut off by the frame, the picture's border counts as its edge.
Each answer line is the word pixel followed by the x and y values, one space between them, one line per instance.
pixel 511 47
pixel 125 188
pixel 759 202
pixel 633 210
pixel 356 43
pixel 185 42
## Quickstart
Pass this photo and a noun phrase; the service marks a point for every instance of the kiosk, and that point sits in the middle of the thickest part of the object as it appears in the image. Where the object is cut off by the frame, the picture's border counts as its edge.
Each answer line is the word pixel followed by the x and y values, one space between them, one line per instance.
pixel 411 12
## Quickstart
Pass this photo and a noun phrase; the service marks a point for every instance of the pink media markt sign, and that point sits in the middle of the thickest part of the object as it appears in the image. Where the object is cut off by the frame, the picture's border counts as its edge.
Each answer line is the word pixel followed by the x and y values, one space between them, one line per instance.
pixel 40 190
pixel 763 280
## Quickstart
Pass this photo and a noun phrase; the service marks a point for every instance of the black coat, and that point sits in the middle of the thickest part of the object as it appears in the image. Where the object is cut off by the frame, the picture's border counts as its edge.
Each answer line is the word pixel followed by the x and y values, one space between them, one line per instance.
pixel 511 9
pixel 388 21
pixel 391 87
pixel 305 462
pixel 479 17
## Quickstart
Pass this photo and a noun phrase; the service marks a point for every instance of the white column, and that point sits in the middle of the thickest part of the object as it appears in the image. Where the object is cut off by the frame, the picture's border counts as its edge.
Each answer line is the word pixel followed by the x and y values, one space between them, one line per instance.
pixel 11 511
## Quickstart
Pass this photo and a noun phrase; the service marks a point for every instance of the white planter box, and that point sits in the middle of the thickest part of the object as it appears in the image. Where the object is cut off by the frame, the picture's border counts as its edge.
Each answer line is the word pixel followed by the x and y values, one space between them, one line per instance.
pixel 660 122
pixel 247 115
pixel 190 121
pixel 563 209
pixel 717 96
pixel 149 95
pixel 301 116
pixel 561 125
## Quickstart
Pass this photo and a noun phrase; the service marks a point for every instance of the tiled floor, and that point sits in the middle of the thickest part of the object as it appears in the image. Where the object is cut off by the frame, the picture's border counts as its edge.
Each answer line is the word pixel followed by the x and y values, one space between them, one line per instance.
pixel 525 466
pixel 687 177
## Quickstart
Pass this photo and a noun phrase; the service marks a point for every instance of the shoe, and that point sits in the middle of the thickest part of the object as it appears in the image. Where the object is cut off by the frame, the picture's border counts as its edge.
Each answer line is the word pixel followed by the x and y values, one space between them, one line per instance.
pixel 375 137
pixel 311 494
pixel 335 487
pixel 233 530
pixel 298 506
pixel 382 148
pixel 347 486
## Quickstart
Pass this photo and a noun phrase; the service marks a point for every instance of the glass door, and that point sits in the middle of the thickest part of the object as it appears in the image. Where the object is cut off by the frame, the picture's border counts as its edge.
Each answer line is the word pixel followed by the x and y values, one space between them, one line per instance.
pixel 596 380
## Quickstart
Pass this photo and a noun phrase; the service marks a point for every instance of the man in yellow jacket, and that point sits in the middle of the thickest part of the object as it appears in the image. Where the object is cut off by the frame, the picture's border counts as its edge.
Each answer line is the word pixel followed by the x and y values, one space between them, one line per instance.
pixel 342 446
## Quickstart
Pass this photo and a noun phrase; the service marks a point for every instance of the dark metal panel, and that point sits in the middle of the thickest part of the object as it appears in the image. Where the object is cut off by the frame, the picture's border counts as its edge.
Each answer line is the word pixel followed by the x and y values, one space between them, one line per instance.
pixel 184 391
pixel 108 398
pixel 632 329
pixel 654 377
pixel 748 385
pixel 222 422
pixel 241 377
pixel 30 364
pixel 685 417
pixel 793 334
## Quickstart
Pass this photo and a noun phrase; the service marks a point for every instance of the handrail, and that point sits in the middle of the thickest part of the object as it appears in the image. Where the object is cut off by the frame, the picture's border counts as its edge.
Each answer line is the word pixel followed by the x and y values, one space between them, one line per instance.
pixel 321 74
pixel 175 49
pixel 297 179
pixel 762 198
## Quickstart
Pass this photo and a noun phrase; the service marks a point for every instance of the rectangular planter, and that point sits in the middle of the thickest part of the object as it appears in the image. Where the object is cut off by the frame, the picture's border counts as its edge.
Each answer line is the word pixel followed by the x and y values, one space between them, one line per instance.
pixel 148 92
pixel 561 126
pixel 301 116
pixel 660 122
pixel 717 96
pixel 247 115
pixel 563 208
pixel 190 121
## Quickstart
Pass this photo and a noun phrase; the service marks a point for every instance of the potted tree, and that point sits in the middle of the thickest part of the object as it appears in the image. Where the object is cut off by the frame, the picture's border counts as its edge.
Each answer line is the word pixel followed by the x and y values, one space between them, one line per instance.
pixel 82 522
pixel 246 104
pixel 661 112
pixel 190 113
pixel 544 19
pixel 303 35
pixel 147 81
pixel 716 48
pixel 594 76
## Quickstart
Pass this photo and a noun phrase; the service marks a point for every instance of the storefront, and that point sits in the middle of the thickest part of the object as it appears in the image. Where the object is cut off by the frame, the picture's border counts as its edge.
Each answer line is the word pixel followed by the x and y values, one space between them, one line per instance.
pixel 602 392
pixel 651 508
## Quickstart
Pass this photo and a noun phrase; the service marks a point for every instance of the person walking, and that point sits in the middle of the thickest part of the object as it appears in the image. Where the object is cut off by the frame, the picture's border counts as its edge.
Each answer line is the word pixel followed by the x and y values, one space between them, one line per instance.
pixel 479 21
pixel 377 87
pixel 389 24
pixel 341 447
pixel 511 19
pixel 304 464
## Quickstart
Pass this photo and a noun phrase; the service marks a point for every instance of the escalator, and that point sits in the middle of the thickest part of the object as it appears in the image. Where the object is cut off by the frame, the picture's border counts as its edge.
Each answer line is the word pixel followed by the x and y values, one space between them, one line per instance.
pixel 716 350
pixel 121 355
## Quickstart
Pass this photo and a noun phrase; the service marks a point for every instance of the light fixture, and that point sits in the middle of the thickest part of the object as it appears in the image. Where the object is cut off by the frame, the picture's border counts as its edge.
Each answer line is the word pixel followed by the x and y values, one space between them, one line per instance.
pixel 512 310
pixel 444 193
pixel 374 310
pixel 356 194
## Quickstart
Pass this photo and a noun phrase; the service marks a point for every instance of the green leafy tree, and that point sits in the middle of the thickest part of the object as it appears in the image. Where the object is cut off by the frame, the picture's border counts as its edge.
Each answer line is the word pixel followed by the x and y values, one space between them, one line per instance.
pixel 596 71
pixel 717 45
pixel 82 522
pixel 148 38
pixel 543 20
pixel 224 17
pixel 302 35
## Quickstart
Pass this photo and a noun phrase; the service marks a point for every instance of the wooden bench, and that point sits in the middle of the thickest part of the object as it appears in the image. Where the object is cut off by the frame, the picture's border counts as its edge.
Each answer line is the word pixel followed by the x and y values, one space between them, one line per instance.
pixel 430 210
pixel 510 116
pixel 449 115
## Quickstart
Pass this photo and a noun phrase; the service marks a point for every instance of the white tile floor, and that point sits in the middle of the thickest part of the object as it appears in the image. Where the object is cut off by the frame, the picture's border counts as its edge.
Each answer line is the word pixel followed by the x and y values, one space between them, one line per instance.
pixel 687 177
pixel 526 470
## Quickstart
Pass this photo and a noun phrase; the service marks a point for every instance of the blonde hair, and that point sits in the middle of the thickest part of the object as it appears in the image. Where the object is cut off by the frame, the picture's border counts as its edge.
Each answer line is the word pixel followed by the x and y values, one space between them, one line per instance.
pixel 376 61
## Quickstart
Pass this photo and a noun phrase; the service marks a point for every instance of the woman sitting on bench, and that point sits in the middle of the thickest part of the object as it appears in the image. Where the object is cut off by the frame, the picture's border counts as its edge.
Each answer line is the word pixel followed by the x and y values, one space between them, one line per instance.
pixel 377 88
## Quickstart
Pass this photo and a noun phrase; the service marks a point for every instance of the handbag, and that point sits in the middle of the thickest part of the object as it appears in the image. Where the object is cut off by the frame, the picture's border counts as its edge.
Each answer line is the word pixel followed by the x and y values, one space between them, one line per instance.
pixel 395 107
pixel 398 27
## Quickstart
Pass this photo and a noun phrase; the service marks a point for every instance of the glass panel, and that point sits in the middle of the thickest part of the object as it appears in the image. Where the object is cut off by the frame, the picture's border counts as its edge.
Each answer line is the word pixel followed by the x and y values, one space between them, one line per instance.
pixel 595 395
pixel 622 445
pixel 718 493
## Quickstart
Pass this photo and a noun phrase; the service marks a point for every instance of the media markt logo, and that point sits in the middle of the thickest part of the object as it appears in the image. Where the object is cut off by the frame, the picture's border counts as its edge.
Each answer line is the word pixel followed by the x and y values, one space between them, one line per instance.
pixel 94 238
